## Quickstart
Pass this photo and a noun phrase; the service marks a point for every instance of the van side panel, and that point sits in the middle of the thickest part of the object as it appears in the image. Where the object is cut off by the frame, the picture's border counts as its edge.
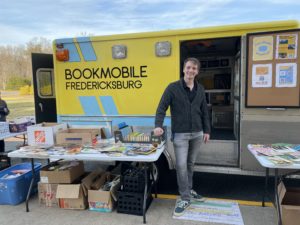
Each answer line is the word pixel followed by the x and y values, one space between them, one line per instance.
pixel 99 85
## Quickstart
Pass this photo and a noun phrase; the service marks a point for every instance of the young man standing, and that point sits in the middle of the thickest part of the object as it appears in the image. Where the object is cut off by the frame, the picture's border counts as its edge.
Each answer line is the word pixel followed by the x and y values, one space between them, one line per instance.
pixel 190 127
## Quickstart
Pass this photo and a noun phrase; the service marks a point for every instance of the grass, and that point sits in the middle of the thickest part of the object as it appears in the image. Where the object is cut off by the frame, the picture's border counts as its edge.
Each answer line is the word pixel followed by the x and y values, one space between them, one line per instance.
pixel 19 105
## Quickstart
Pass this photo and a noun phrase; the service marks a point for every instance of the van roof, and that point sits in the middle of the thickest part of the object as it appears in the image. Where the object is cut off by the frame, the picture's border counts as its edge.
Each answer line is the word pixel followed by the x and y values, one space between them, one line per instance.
pixel 243 28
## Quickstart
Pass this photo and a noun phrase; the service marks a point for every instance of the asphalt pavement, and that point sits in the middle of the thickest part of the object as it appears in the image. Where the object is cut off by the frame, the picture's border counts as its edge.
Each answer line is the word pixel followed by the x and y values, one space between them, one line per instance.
pixel 159 213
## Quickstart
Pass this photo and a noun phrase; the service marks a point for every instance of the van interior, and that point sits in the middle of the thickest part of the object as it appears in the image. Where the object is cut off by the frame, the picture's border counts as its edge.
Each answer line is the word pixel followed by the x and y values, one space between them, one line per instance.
pixel 220 75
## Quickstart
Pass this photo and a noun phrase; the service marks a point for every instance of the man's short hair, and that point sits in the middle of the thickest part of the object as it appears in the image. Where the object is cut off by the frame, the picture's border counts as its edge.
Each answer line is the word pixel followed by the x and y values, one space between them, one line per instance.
pixel 194 61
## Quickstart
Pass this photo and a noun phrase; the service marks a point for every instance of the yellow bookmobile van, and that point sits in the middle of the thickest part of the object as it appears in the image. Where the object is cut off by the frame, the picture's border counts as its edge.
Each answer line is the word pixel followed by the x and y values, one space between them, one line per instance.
pixel 250 73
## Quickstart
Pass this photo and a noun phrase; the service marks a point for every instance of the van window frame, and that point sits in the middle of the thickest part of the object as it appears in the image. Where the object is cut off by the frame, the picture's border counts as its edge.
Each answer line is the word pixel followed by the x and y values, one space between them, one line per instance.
pixel 38 72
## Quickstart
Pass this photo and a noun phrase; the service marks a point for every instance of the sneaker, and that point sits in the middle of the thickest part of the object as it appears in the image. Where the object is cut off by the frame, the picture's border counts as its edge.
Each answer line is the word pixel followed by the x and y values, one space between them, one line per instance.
pixel 195 196
pixel 181 205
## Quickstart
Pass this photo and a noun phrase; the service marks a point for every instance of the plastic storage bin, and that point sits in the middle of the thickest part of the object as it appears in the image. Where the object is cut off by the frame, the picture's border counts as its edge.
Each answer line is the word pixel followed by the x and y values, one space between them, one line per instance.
pixel 14 190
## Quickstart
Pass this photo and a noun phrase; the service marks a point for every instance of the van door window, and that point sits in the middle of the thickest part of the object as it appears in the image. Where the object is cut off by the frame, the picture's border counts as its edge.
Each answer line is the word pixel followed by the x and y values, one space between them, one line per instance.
pixel 45 84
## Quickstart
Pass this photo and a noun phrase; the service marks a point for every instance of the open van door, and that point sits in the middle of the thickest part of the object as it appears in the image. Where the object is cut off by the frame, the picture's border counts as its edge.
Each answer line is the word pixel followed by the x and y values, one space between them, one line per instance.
pixel 44 89
pixel 219 74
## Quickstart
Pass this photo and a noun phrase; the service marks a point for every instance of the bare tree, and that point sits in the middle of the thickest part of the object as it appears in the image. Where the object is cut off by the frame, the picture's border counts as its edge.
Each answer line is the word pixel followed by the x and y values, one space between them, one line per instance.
pixel 39 45
pixel 15 61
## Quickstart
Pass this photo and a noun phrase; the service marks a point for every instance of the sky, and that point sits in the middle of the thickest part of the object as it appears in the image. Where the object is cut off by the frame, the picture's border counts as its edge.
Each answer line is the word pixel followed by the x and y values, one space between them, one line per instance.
pixel 23 20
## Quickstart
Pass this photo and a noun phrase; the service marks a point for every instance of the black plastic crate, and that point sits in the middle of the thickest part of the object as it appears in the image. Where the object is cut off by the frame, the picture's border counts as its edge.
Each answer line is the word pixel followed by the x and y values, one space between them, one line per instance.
pixel 4 161
pixel 133 180
pixel 132 203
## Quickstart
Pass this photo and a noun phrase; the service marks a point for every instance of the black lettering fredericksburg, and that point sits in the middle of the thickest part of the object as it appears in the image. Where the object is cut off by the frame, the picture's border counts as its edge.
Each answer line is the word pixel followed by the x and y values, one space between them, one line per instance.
pixel 128 78
pixel 94 85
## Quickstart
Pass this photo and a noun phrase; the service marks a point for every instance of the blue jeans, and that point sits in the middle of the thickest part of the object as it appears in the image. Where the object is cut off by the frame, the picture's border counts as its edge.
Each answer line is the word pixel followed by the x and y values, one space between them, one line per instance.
pixel 186 148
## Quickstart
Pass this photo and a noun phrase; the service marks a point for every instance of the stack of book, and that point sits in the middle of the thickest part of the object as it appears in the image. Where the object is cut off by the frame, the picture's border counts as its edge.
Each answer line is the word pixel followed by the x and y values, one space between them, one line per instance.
pixel 279 154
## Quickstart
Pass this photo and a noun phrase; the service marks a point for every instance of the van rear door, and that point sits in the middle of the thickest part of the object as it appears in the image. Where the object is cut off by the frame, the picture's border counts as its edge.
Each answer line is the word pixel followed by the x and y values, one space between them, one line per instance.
pixel 44 90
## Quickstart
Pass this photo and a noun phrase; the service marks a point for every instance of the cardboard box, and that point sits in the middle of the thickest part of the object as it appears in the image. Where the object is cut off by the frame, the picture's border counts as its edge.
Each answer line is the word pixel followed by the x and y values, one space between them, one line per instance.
pixel 289 199
pixel 47 194
pixel 44 134
pixel 100 200
pixel 78 136
pixel 62 176
pixel 71 196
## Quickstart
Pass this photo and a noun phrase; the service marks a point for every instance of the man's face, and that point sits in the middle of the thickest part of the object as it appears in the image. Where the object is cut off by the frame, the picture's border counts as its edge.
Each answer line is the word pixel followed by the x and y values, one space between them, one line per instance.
pixel 190 70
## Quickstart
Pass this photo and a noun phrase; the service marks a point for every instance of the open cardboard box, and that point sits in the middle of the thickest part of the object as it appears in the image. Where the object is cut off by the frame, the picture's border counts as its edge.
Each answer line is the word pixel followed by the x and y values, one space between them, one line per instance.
pixel 71 196
pixel 100 200
pixel 62 176
pixel 289 200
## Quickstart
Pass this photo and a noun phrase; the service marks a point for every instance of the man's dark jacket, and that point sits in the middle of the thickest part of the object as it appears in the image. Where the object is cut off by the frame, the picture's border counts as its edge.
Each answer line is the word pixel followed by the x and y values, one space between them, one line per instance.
pixel 3 110
pixel 186 116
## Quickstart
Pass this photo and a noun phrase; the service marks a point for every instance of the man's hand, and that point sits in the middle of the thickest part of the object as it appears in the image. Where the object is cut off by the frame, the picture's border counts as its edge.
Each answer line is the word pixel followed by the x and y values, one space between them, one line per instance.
pixel 206 137
pixel 158 131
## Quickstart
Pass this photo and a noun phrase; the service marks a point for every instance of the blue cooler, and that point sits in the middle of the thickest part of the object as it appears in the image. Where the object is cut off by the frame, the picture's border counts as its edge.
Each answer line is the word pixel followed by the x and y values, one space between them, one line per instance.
pixel 14 190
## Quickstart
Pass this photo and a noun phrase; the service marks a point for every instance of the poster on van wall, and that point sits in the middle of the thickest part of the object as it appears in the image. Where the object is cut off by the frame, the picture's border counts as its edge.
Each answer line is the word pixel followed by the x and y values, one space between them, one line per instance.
pixel 261 75
pixel 262 48
pixel 286 75
pixel 286 47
